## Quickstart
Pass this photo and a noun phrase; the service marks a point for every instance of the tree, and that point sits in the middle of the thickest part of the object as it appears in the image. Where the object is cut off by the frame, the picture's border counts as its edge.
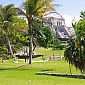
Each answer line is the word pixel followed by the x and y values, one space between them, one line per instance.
pixel 18 37
pixel 3 46
pixel 19 24
pixel 42 35
pixel 19 32
pixel 6 15
pixel 75 52
pixel 35 9
pixel 56 44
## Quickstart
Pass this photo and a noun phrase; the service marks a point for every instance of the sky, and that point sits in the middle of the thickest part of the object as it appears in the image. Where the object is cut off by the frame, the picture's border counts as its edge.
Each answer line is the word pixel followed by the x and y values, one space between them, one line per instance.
pixel 16 2
pixel 69 9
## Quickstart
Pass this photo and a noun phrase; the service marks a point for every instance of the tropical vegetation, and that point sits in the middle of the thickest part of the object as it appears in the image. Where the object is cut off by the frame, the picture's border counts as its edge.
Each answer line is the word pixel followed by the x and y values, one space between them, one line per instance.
pixel 75 52
pixel 35 9
pixel 24 27
pixel 15 28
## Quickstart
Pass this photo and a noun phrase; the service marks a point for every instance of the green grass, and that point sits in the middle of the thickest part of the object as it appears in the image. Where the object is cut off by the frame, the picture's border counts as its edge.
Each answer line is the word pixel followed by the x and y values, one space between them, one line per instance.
pixel 24 74
pixel 49 52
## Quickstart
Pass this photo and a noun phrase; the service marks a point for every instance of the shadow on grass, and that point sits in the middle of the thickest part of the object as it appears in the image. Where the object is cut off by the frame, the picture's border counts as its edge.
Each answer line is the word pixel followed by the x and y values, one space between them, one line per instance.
pixel 47 70
pixel 62 75
pixel 16 68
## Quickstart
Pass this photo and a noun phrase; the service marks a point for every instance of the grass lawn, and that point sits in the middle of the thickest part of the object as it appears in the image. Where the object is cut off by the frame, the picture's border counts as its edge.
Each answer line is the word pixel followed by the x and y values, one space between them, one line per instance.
pixel 48 52
pixel 23 74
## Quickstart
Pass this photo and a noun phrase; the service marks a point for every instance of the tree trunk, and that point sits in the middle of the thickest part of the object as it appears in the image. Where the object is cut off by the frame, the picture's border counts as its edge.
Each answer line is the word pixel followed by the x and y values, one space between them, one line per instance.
pixel 30 46
pixel 70 69
pixel 34 48
pixel 2 59
pixel 10 47
pixel 30 40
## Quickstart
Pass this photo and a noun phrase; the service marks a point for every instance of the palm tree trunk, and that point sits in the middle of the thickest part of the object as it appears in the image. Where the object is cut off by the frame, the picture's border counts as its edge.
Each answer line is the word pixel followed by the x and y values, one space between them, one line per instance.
pixel 30 41
pixel 10 47
pixel 70 69
pixel 30 46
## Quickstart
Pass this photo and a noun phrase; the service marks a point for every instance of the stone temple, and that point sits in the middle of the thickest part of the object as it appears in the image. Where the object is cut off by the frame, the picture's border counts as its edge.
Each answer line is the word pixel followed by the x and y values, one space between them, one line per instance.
pixel 57 23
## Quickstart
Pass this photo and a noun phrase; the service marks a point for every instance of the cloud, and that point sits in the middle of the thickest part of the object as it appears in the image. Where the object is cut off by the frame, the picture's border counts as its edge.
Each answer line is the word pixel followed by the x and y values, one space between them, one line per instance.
pixel 69 19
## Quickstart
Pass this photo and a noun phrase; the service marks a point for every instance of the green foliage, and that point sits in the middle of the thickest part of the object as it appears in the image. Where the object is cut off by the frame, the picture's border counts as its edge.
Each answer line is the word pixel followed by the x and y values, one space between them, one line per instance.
pixel 18 39
pixel 3 50
pixel 12 29
pixel 75 52
pixel 19 23
pixel 35 9
pixel 56 44
pixel 6 17
pixel 42 34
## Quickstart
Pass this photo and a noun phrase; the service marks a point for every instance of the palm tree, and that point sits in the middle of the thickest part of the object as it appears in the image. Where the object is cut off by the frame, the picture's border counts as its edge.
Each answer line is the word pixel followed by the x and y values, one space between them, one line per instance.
pixel 75 52
pixel 6 15
pixel 35 9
